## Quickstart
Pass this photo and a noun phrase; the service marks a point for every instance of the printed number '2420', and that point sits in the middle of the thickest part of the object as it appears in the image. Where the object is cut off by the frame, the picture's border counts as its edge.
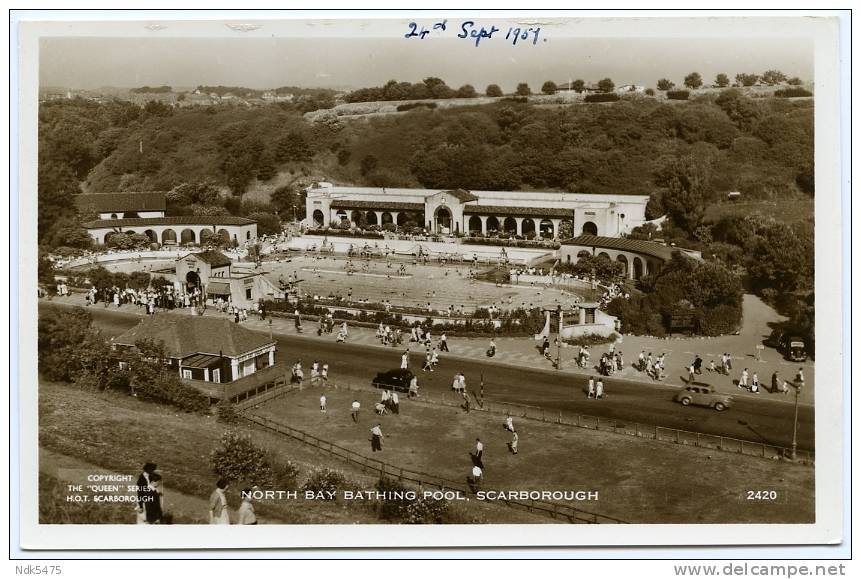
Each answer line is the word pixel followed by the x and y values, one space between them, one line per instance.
pixel 762 495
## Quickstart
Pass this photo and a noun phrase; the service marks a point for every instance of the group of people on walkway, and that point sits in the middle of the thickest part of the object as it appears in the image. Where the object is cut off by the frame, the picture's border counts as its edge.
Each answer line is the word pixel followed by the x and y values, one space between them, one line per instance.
pixel 319 374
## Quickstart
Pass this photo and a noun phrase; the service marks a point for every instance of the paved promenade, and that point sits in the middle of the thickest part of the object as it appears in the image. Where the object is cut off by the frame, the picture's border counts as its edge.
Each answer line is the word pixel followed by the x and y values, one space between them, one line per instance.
pixel 523 352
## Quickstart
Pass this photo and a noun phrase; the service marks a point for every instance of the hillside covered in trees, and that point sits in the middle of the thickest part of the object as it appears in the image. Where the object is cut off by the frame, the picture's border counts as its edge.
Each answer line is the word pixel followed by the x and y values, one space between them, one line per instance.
pixel 687 155
pixel 762 148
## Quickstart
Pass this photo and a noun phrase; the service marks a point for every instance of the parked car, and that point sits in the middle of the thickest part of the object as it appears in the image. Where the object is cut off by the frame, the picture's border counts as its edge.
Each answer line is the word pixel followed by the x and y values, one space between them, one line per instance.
pixel 703 395
pixel 792 347
pixel 393 380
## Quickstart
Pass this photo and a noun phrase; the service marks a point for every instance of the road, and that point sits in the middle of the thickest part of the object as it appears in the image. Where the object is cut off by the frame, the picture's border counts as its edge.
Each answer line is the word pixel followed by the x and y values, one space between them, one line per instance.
pixel 764 421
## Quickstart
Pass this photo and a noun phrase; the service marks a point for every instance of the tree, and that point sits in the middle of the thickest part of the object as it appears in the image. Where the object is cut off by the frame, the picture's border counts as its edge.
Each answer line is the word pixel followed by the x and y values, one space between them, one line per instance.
pixel 650 92
pixel 783 259
pixel 203 192
pixel 438 89
pixel 794 81
pixel 284 198
pixel 60 334
pixel 368 164
pixel 606 85
pixel 578 85
pixel 69 232
pixel 600 266
pixel 238 170
pixel 549 87
pixel 493 90
pixel 293 147
pixel 694 80
pixel 151 379
pixel 721 80
pixel 688 182
pixel 523 89
pixel 745 79
pixel 239 459
pixel 467 91
pixel 57 185
pixel 157 109
pixel 740 109
pixel 267 223
pixel 45 273
pixel 665 84
pixel 773 77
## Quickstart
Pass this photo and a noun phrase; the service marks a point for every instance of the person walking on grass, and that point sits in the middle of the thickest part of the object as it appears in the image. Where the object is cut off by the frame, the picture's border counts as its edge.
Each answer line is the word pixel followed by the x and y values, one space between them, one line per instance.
pixel 479 450
pixel 590 393
pixel 428 363
pixel 405 360
pixel 395 403
pixel 443 343
pixel 323 404
pixel 376 439
pixel 599 389
pixel 509 423
pixel 513 444
pixel 354 410
pixel 475 480
pixel 742 381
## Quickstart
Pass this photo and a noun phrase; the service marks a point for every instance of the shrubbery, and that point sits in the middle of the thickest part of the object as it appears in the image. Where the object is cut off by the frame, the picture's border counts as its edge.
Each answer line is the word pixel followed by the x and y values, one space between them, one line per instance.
pixel 239 459
pixel 325 480
pixel 171 390
pixel 592 339
pixel 417 511
pixel 410 106
pixel 225 412
pixel 678 95
pixel 792 92
pixel 708 291
pixel 601 97
pixel 474 240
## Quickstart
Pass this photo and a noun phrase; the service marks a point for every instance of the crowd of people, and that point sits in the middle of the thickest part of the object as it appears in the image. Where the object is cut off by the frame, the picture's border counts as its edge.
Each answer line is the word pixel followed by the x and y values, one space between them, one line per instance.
pixel 152 298
pixel 612 292
pixel 652 366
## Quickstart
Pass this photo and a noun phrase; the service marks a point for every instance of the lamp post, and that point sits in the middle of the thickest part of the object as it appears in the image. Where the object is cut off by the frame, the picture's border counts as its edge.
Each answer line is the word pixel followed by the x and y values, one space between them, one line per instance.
pixel 798 386
pixel 559 339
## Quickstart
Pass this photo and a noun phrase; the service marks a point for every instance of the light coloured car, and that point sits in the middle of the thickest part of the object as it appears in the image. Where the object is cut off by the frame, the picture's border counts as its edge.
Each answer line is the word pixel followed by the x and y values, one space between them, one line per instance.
pixel 703 395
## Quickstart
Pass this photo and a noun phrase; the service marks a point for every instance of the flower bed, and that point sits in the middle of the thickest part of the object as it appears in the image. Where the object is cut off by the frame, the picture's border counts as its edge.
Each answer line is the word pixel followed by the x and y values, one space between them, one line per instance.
pixel 505 242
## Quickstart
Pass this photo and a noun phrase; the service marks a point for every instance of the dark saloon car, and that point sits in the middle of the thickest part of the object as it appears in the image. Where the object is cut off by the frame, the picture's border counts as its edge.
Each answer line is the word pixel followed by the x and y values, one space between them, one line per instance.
pixel 393 380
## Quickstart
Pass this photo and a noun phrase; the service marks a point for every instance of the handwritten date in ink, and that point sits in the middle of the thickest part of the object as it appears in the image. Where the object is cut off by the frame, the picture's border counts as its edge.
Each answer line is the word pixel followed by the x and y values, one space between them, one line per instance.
pixel 470 30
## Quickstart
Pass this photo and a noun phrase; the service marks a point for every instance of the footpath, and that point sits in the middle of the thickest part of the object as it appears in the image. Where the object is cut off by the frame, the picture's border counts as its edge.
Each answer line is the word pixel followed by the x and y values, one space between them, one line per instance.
pixel 523 352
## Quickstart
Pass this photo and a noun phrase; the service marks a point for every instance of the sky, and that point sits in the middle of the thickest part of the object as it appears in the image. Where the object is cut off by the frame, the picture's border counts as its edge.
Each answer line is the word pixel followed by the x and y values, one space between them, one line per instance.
pixel 348 63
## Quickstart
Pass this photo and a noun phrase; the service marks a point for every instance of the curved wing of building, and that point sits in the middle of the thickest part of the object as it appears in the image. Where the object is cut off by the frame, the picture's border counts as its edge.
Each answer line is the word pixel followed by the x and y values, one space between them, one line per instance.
pixel 458 211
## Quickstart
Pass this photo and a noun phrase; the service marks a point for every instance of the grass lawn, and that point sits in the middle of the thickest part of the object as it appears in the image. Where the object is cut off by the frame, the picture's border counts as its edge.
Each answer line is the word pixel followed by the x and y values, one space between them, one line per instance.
pixel 638 481
pixel 120 433
pixel 788 211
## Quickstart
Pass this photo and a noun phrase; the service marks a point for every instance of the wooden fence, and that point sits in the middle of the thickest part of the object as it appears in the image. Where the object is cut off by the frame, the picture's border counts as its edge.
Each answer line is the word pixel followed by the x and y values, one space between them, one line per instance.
pixel 425 481
pixel 615 425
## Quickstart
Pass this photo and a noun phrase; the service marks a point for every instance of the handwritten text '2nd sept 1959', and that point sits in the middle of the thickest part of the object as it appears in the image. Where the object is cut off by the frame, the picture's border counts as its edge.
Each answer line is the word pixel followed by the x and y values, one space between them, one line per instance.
pixel 474 32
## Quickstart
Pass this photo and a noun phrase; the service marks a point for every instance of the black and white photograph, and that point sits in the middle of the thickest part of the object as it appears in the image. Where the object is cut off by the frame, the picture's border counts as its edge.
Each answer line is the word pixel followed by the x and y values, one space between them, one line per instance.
pixel 409 281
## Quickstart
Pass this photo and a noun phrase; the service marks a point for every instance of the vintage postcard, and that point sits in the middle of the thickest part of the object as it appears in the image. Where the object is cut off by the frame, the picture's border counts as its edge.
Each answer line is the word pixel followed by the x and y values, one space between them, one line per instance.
pixel 442 279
